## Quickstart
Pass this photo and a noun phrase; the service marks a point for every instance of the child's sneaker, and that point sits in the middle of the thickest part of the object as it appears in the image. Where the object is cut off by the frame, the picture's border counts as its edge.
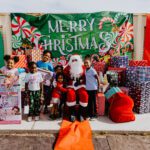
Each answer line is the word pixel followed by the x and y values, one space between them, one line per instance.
pixel 37 118
pixel 29 118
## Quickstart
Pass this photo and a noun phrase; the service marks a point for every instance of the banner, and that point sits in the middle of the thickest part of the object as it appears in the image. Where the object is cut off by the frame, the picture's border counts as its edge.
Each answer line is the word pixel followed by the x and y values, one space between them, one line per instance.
pixel 102 34
pixel 147 40
pixel 1 49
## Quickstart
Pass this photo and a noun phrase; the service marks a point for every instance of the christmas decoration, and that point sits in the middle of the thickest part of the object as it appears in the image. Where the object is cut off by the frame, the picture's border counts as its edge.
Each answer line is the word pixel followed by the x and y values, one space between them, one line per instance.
pixel 16 41
pixel 20 27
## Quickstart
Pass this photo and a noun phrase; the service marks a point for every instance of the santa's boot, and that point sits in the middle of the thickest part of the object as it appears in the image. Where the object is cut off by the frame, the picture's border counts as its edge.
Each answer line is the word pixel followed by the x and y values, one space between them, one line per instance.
pixel 72 117
pixel 83 113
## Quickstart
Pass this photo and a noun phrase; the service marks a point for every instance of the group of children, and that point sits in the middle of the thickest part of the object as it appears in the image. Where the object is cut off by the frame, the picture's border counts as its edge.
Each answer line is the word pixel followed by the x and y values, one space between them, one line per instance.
pixel 53 89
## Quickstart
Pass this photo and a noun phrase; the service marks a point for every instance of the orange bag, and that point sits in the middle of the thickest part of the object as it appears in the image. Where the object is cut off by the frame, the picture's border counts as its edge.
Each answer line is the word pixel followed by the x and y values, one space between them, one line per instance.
pixel 74 136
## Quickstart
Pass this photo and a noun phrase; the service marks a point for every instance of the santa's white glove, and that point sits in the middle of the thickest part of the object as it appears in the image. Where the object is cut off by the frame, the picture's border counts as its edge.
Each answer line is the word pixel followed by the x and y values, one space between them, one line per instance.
pixel 54 83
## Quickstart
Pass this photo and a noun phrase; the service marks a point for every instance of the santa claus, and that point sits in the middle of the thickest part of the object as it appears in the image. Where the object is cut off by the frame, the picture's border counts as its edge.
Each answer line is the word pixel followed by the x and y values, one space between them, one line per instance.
pixel 75 76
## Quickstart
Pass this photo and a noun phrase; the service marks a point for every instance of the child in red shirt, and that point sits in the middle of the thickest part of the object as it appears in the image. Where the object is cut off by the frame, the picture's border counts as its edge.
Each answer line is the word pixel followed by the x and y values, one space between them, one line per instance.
pixel 57 95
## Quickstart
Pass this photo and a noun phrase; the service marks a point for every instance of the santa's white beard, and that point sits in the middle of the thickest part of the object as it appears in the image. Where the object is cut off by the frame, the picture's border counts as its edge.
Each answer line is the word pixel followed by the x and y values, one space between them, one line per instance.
pixel 76 69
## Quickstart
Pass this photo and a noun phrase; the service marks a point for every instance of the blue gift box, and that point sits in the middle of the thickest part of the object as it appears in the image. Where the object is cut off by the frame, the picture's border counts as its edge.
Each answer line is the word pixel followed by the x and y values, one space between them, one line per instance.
pixel 119 61
pixel 111 92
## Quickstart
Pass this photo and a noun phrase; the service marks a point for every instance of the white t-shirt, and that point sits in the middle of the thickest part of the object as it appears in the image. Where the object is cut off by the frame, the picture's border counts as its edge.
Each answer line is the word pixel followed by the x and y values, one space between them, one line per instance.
pixel 33 80
pixel 7 71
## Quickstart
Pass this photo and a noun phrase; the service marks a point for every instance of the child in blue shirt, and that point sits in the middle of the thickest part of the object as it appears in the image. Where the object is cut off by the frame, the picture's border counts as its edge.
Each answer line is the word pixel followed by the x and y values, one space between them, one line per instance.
pixel 92 85
pixel 46 65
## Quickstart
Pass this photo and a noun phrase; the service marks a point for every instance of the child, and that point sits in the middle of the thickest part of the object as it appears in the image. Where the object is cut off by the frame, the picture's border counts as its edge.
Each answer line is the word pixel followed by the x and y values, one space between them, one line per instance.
pixel 57 95
pixel 33 82
pixel 92 85
pixel 46 65
pixel 11 73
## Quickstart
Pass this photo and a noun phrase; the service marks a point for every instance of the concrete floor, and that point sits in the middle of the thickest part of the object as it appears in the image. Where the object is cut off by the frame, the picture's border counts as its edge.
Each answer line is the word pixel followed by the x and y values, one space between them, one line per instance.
pixel 107 135
pixel 142 123
pixel 39 141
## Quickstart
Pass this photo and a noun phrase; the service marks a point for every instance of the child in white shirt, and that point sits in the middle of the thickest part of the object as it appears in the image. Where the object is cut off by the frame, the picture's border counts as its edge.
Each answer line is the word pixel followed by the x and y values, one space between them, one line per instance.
pixel 33 82
pixel 11 73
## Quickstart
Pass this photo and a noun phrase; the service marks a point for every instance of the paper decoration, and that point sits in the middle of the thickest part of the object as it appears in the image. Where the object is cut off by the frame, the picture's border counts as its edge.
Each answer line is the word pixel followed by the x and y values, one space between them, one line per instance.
pixel 20 27
pixel 16 41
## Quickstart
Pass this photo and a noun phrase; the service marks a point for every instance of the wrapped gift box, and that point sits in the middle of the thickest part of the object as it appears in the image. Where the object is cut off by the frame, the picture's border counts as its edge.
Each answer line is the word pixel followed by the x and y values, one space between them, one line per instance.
pixel 116 77
pixel 140 92
pixel 99 67
pixel 121 75
pixel 119 61
pixel 112 77
pixel 100 104
pixel 33 55
pixel 136 74
pixel 22 61
pixel 138 63
pixel 111 92
pixel 143 73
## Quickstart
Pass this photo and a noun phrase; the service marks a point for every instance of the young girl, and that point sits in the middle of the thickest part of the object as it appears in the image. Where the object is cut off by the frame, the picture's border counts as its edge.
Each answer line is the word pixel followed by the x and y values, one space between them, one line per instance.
pixel 92 85
pixel 57 95
pixel 33 82
pixel 46 65
pixel 11 73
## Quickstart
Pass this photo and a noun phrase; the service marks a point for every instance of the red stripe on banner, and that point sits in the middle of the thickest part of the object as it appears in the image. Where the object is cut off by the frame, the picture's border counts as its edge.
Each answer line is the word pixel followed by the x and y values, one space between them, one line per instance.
pixel 147 40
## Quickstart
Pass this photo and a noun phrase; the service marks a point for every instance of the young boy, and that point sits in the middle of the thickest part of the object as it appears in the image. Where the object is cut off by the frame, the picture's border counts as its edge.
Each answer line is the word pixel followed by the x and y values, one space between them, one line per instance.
pixel 46 65
pixel 92 85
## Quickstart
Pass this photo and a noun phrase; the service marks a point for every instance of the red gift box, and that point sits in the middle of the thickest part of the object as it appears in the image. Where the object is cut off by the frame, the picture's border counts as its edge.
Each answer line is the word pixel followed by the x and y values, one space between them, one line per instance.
pixel 22 62
pixel 33 55
pixel 100 104
pixel 99 67
pixel 138 63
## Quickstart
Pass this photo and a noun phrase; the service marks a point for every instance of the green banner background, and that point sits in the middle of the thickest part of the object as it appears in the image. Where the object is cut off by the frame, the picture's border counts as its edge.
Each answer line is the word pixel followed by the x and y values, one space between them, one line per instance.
pixel 102 33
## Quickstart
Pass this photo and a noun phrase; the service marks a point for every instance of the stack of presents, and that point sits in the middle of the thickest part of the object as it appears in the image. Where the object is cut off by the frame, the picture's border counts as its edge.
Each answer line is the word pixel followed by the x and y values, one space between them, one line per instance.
pixel 132 77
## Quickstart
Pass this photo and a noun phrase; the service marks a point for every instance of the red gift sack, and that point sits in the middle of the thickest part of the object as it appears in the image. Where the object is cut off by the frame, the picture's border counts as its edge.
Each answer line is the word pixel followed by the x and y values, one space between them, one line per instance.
pixel 121 106
pixel 100 104
pixel 134 63
pixel 22 62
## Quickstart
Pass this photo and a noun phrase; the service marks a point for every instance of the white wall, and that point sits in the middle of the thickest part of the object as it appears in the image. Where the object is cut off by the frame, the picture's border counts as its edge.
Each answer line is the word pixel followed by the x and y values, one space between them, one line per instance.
pixel 6 31
pixel 74 6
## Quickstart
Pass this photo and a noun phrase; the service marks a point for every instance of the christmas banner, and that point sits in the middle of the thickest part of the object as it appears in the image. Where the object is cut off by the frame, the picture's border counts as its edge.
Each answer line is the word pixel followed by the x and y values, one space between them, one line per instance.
pixel 103 34
pixel 147 40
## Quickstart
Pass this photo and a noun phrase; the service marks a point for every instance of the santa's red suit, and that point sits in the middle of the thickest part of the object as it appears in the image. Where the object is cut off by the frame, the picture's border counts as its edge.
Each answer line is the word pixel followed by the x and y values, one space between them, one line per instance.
pixel 57 91
pixel 76 87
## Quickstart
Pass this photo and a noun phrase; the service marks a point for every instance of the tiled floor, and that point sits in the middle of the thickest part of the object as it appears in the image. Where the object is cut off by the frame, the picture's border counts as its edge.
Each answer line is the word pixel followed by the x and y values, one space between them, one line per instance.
pixel 142 123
